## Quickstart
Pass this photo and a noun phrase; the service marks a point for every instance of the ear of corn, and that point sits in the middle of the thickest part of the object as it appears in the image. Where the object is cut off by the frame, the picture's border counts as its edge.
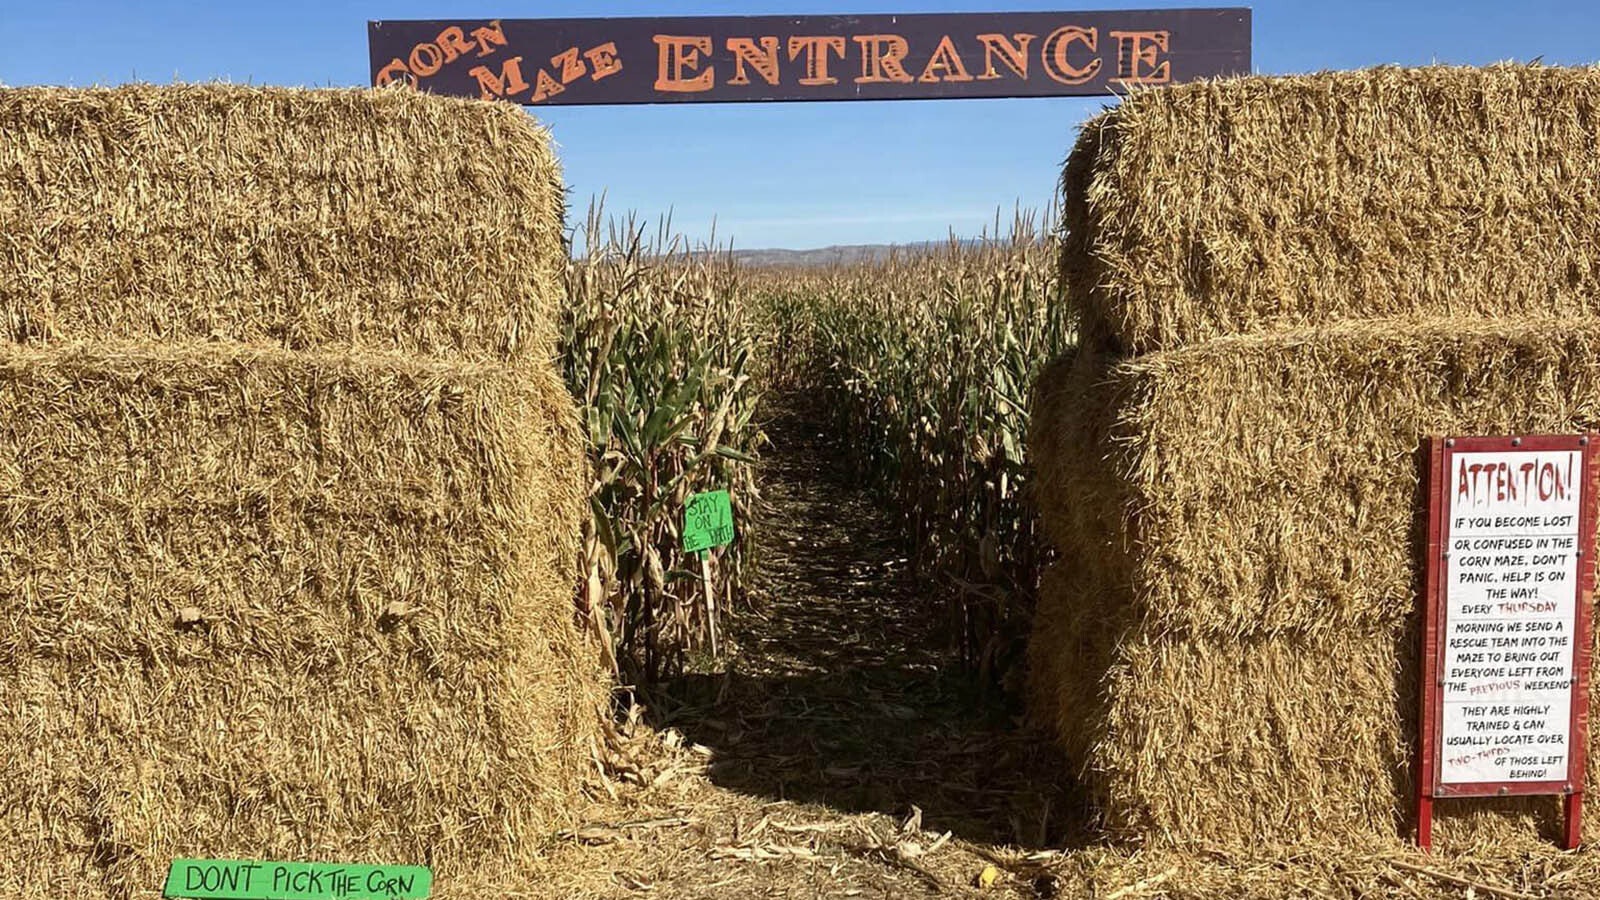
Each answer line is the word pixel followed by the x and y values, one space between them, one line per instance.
pixel 658 349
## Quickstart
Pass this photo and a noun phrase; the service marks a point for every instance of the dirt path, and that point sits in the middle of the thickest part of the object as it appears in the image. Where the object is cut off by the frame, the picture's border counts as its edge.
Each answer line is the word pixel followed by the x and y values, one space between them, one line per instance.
pixel 799 767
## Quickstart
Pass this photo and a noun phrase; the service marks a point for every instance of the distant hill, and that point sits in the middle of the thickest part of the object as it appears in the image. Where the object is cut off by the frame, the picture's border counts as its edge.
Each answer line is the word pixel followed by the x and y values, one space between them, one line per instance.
pixel 837 255
pixel 828 256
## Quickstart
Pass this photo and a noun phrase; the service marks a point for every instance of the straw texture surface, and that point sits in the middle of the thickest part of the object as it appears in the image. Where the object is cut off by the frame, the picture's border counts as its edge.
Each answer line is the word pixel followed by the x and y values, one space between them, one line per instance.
pixel 378 220
pixel 1259 203
pixel 290 490
pixel 1229 646
pixel 274 604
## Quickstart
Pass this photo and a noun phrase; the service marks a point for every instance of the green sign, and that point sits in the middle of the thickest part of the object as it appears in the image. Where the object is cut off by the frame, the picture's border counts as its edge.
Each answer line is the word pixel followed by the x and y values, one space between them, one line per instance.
pixel 707 521
pixel 233 879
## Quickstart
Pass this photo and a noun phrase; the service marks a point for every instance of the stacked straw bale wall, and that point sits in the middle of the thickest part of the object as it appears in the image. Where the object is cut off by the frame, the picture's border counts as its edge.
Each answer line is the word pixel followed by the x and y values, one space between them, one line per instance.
pixel 1229 646
pixel 290 488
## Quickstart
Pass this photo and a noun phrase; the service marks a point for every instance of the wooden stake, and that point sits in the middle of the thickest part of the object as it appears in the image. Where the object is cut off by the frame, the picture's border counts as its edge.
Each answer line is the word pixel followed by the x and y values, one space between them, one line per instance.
pixel 711 601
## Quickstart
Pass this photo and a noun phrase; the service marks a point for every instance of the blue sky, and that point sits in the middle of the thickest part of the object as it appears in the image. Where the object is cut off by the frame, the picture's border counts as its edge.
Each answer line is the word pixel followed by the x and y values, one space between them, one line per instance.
pixel 770 175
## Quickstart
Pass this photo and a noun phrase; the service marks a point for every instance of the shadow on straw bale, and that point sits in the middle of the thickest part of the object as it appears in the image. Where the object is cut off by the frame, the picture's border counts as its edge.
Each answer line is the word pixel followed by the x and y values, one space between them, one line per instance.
pixel 284 605
pixel 1250 204
pixel 1225 739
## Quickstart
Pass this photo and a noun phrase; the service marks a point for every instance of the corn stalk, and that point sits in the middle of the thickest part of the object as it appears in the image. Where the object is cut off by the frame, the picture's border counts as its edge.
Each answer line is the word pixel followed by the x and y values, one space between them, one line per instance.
pixel 658 349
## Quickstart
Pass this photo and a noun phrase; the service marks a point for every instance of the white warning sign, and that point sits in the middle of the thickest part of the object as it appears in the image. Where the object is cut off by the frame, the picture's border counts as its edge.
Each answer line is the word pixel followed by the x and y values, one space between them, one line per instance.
pixel 1511 603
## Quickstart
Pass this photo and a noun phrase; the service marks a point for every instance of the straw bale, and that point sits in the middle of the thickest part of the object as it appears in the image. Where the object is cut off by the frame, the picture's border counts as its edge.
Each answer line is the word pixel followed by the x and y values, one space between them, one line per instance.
pixel 1232 741
pixel 1258 203
pixel 1273 482
pixel 374 558
pixel 1077 624
pixel 1228 647
pixel 1226 740
pixel 369 220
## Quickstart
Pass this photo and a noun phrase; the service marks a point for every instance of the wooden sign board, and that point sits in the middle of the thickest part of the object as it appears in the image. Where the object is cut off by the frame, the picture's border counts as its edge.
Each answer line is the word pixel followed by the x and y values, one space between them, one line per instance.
pixel 1506 638
pixel 727 59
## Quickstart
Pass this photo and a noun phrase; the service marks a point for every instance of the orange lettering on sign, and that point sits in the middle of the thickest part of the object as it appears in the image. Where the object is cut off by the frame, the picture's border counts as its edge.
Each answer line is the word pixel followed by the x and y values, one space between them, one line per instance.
pixel 395 69
pixel 883 59
pixel 454 43
pixel 603 60
pixel 545 87
pixel 426 59
pixel 1014 55
pixel 508 83
pixel 816 50
pixel 764 59
pixel 678 56
pixel 945 59
pixel 1059 66
pixel 429 57
pixel 572 68
pixel 489 37
pixel 1136 48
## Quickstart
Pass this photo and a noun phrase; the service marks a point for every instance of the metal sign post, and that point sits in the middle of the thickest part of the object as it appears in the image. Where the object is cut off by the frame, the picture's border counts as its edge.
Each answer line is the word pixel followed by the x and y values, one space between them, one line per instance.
pixel 1506 638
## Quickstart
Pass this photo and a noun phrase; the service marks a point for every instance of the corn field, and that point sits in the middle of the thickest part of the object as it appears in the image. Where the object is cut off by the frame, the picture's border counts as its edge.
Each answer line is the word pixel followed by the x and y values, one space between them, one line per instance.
pixel 924 363
pixel 658 349
pixel 921 364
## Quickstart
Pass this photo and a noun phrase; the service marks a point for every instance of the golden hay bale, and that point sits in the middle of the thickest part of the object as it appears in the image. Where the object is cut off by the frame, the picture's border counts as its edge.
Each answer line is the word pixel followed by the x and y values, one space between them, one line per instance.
pixel 1240 522
pixel 376 220
pixel 273 604
pixel 1244 205
pixel 1272 482
pixel 1077 625
pixel 1237 740
pixel 1226 740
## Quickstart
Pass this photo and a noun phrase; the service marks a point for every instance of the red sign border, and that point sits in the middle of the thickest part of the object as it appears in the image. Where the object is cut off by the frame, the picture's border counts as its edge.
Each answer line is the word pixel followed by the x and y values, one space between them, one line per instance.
pixel 1440 452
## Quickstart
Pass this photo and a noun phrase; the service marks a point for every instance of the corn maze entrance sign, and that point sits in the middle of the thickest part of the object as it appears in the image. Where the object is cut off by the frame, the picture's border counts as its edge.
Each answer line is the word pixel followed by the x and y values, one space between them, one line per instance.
pixel 1510 580
pixel 743 58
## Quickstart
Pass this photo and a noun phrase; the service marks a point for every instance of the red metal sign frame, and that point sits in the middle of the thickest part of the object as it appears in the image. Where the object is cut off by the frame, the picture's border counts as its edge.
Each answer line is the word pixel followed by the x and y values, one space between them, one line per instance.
pixel 1441 451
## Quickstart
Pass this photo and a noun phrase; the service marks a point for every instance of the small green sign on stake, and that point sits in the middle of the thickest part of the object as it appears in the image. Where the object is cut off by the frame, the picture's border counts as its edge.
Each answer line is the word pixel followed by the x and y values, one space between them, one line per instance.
pixel 234 879
pixel 707 521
